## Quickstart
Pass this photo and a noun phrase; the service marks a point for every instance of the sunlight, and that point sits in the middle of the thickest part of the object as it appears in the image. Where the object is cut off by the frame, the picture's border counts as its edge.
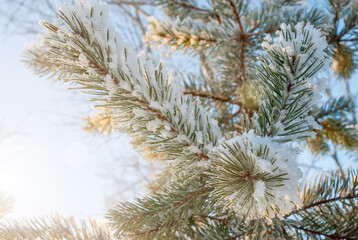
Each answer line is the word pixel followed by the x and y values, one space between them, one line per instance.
pixel 23 173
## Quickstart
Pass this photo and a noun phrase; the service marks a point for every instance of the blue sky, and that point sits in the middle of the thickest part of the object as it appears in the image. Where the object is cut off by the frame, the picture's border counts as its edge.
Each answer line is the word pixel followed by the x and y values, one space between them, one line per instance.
pixel 42 119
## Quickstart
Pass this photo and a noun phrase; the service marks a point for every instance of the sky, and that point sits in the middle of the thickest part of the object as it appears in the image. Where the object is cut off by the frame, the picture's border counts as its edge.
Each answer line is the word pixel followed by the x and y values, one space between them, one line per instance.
pixel 47 163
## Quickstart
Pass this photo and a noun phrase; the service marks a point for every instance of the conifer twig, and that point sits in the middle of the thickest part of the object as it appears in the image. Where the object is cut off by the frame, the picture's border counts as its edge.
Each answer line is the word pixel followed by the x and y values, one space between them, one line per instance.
pixel 210 96
pixel 232 5
pixel 349 196
pixel 332 236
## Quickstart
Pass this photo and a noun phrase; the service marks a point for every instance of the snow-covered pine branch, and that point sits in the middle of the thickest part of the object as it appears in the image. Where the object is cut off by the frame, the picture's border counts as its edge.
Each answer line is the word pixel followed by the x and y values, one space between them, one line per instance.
pixel 255 177
pixel 189 35
pixel 143 97
pixel 288 81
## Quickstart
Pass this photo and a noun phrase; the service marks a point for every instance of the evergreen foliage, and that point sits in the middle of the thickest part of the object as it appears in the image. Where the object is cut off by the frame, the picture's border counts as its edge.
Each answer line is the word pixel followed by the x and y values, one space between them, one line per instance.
pixel 230 165
pixel 54 228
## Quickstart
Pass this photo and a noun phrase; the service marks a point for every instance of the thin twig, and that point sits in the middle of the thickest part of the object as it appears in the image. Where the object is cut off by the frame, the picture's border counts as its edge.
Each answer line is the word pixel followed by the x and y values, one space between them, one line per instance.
pixel 348 40
pixel 232 5
pixel 332 236
pixel 191 196
pixel 210 96
pixel 350 196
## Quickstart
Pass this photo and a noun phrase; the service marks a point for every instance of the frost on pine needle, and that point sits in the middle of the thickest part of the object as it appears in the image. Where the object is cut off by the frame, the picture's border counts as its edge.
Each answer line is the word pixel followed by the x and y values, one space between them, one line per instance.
pixel 288 81
pixel 143 97
pixel 186 33
pixel 255 177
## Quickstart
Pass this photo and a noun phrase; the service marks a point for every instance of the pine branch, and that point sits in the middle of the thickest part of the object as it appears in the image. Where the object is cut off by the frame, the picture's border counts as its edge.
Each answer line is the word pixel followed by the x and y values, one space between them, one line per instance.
pixel 242 39
pixel 348 40
pixel 54 228
pixel 136 90
pixel 340 198
pixel 156 214
pixel 248 178
pixel 285 76
pixel 329 206
pixel 188 35
pixel 333 236
pixel 334 108
pixel 345 11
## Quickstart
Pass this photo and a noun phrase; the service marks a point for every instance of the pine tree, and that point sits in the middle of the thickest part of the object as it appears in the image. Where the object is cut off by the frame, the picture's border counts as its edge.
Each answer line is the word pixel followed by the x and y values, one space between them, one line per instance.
pixel 226 136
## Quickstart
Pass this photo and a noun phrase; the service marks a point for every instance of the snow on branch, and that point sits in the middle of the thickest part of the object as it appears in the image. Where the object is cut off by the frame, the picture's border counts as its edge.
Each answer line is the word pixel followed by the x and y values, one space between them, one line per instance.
pixel 255 177
pixel 288 81
pixel 189 35
pixel 144 98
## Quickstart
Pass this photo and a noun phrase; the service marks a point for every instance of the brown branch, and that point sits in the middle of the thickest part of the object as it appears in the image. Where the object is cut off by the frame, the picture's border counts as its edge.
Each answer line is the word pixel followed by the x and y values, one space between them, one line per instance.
pixel 232 5
pixel 242 38
pixel 332 236
pixel 237 112
pixel 210 96
pixel 253 29
pixel 348 40
pixel 336 15
pixel 242 61
pixel 191 196
pixel 350 196
pixel 346 31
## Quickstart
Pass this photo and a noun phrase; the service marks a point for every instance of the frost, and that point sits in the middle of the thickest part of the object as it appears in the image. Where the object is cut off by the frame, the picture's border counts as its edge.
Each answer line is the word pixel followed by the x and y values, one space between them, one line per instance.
pixel 302 49
pixel 138 87
pixel 199 137
pixel 270 191
pixel 185 31
pixel 259 195
pixel 110 84
pixel 154 124
pixel 138 112
pixel 83 61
